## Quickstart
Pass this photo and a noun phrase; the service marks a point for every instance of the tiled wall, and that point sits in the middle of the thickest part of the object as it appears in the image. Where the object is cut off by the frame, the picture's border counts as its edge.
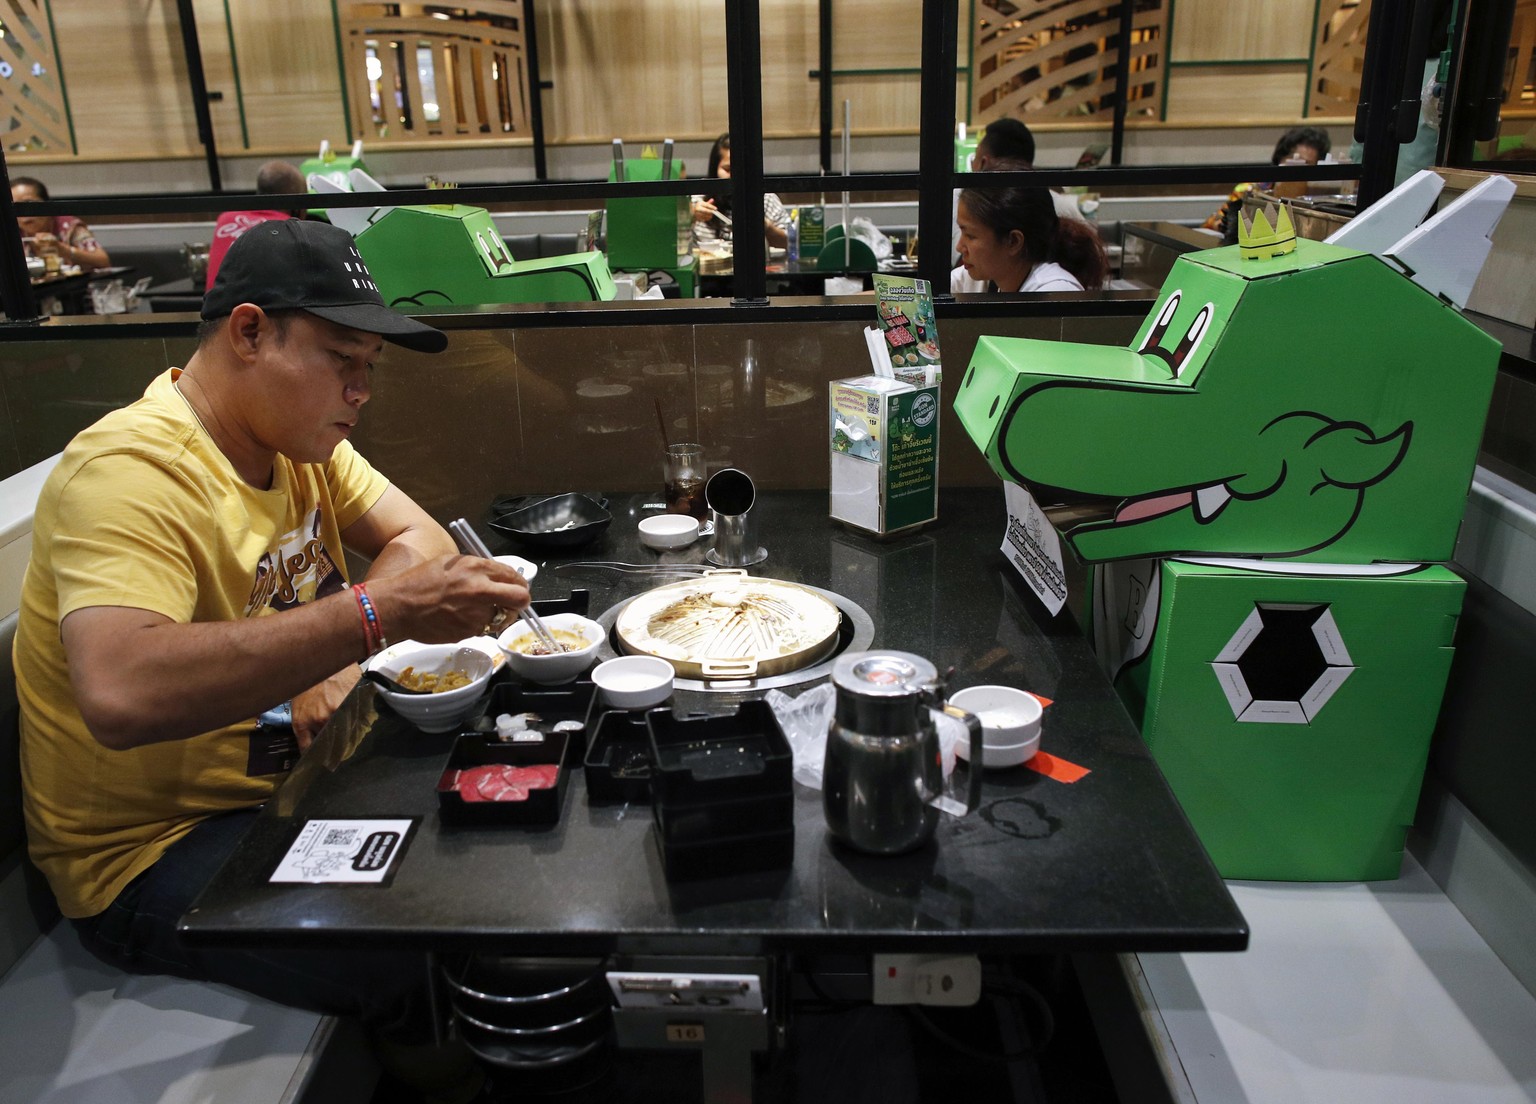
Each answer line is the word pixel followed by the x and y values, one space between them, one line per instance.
pixel 543 410
pixel 1510 438
pixel 550 410
pixel 53 389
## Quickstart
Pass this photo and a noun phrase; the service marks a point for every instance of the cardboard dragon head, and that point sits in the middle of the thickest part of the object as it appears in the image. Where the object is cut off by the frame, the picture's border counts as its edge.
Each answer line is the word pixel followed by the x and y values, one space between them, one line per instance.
pixel 1284 398
pixel 438 254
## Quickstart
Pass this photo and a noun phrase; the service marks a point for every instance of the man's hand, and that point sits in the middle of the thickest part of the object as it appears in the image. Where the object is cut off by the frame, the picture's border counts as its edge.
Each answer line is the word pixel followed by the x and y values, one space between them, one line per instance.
pixel 447 599
pixel 313 708
pixel 444 600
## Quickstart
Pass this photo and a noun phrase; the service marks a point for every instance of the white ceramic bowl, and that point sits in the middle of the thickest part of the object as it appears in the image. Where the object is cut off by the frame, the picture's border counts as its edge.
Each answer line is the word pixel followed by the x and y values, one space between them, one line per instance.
pixel 634 682
pixel 1010 723
pixel 526 568
pixel 664 531
pixel 436 712
pixel 547 670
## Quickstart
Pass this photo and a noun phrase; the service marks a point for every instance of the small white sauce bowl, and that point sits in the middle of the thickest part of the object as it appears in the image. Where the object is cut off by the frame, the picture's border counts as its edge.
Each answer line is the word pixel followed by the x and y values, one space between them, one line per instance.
pixel 558 667
pixel 436 712
pixel 1010 723
pixel 526 568
pixel 664 531
pixel 634 682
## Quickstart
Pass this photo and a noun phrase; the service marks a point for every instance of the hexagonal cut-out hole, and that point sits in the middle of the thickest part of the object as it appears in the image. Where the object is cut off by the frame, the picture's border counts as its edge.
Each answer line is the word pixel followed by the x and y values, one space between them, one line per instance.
pixel 1283 663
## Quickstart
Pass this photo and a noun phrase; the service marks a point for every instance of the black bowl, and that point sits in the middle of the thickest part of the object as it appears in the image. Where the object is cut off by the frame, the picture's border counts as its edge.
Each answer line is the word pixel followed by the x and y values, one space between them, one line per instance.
pixel 562 521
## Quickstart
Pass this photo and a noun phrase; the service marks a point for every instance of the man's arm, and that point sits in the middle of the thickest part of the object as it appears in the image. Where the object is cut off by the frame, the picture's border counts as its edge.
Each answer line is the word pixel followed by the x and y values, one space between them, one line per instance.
pixel 141 678
pixel 397 535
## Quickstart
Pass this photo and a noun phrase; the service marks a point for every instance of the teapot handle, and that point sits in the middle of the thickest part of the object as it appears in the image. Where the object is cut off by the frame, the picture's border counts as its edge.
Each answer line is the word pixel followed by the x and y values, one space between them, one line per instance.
pixel 973 772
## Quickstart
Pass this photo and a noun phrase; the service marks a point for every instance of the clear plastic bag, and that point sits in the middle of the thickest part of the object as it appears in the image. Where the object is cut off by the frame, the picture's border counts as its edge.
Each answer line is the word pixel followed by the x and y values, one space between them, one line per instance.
pixel 870 234
pixel 805 720
pixel 951 731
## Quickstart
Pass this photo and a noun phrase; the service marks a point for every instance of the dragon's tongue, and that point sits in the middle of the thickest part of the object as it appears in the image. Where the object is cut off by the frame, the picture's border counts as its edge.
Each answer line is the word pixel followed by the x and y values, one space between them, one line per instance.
pixel 1143 508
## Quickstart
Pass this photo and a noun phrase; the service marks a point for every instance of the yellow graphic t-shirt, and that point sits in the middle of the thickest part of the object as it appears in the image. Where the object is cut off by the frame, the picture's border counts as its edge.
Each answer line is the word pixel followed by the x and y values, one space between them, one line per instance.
pixel 144 511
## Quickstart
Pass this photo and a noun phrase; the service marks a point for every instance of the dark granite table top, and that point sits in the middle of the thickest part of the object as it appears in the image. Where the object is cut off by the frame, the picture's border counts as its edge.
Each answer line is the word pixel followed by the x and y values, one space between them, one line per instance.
pixel 1108 863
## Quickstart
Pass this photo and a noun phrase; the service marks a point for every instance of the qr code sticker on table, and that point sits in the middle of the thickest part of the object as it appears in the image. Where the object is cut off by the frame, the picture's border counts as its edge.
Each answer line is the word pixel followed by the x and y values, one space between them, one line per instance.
pixel 344 851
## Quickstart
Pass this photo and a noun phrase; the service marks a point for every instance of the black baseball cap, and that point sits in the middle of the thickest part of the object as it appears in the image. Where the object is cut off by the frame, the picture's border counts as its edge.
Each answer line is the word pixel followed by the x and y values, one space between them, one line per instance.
pixel 283 264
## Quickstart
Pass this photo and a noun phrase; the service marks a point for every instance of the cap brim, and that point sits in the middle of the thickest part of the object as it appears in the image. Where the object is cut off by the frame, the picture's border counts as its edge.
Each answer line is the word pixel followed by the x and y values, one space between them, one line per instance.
pixel 389 324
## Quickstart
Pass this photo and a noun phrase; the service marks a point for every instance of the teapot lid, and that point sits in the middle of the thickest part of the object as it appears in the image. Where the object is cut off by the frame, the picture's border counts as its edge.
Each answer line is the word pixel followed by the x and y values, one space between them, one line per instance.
pixel 883 674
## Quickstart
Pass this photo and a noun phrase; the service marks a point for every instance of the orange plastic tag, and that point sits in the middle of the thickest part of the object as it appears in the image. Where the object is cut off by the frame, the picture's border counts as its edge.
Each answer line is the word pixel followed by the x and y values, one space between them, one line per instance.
pixel 1059 769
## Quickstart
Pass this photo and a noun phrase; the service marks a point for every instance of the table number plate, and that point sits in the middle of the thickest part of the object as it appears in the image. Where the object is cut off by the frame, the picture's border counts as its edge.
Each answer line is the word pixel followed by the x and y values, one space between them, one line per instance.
pixel 348 851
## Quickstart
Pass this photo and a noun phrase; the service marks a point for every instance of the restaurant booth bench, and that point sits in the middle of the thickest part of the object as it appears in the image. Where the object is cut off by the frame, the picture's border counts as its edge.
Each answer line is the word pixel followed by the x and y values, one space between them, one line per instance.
pixel 75 1030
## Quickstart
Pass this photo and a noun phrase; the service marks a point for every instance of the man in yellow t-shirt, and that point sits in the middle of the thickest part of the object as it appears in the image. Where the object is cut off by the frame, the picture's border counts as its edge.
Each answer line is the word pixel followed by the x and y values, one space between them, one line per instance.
pixel 187 574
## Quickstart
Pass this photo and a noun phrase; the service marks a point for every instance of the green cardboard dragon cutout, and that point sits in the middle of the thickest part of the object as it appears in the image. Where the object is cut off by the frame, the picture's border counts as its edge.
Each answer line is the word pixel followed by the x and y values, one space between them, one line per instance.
pixel 1307 413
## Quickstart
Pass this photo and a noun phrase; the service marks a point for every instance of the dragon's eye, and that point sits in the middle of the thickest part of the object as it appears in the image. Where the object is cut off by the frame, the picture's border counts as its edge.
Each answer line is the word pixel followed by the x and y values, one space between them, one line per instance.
pixel 1191 339
pixel 1164 319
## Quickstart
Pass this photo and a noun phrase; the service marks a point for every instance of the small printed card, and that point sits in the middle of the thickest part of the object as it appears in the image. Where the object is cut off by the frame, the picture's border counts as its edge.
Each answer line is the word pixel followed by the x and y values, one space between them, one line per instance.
pixel 905 308
pixel 1034 549
pixel 357 851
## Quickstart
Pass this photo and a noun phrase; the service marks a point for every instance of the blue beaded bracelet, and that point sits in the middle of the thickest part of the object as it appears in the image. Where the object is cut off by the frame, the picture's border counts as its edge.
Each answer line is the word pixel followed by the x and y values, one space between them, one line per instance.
pixel 373 628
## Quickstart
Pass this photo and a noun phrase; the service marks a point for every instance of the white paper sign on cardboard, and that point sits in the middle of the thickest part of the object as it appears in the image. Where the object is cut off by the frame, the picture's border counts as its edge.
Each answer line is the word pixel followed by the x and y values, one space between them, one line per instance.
pixel 343 851
pixel 1034 549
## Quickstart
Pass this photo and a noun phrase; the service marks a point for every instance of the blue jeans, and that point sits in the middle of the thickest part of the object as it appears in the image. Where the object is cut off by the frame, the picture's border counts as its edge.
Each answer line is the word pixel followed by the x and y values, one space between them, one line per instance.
pixel 387 990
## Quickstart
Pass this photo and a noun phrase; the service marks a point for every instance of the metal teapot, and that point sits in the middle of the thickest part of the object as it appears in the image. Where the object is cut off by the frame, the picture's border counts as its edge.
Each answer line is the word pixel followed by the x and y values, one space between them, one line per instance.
pixel 882 779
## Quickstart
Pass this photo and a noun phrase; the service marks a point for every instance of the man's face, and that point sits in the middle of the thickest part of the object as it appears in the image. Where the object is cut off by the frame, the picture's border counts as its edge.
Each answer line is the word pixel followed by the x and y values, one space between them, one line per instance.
pixel 310 385
pixel 31 224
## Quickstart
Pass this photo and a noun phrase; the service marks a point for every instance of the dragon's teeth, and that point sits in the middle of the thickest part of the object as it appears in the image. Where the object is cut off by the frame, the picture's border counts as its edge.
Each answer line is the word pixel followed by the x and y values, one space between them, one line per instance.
pixel 1210 500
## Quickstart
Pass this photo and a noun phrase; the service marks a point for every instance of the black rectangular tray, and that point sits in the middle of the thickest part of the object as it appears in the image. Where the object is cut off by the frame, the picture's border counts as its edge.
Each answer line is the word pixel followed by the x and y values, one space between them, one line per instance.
pixel 689 825
pixel 725 856
pixel 702 760
pixel 618 760
pixel 573 701
pixel 475 749
pixel 577 602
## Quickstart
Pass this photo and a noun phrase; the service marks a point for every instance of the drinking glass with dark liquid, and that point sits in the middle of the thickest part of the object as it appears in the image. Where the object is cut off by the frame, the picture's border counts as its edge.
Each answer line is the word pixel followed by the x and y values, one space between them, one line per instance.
pixel 683 480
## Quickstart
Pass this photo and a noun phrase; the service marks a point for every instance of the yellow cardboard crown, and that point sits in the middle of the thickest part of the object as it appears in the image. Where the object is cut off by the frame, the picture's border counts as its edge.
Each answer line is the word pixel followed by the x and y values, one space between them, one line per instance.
pixel 1258 239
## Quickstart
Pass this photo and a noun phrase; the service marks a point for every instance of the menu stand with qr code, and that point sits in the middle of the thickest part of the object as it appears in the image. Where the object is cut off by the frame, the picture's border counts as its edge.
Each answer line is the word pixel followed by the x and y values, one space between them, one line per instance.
pixel 347 851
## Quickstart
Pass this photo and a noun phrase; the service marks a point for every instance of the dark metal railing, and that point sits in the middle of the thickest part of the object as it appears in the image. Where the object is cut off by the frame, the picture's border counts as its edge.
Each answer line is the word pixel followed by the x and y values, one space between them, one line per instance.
pixel 933 183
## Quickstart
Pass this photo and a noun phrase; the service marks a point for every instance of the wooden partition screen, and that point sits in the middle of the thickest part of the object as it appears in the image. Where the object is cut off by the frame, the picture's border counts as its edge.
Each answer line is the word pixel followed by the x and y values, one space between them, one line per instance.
pixel 412 75
pixel 1520 89
pixel 32 104
pixel 1338 56
pixel 1056 59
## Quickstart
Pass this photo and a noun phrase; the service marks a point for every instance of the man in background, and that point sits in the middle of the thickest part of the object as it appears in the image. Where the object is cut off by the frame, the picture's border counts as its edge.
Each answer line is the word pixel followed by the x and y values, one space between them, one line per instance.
pixel 1004 140
pixel 273 178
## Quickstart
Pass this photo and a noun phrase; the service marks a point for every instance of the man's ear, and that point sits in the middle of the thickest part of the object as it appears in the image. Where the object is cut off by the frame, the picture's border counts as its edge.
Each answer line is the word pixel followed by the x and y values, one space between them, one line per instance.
pixel 246 327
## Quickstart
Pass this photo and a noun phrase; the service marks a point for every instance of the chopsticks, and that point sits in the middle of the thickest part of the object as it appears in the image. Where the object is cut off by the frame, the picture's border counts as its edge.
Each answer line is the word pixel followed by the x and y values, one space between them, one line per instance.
pixel 470 544
pixel 637 569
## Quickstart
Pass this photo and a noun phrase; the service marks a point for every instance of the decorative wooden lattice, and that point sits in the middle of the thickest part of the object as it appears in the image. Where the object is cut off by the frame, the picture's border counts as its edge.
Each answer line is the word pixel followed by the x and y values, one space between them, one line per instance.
pixel 1520 90
pixel 1338 56
pixel 413 74
pixel 31 94
pixel 1057 58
